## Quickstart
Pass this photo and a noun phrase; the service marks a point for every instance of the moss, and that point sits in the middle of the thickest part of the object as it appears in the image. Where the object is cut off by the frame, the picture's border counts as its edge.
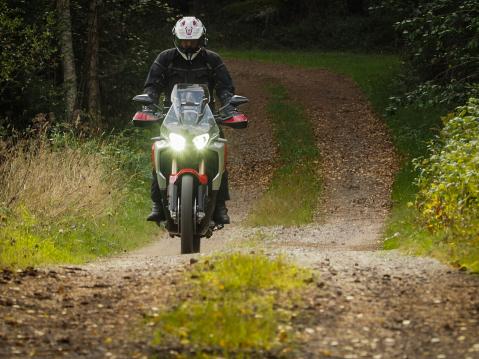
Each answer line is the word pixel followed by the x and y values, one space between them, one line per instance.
pixel 236 304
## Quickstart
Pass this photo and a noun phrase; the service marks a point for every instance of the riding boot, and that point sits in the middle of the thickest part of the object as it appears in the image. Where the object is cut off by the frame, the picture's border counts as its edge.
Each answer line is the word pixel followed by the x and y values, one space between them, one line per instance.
pixel 157 214
pixel 220 215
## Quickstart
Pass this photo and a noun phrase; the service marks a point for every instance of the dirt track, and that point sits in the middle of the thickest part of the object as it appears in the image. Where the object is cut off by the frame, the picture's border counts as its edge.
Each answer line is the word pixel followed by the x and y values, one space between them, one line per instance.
pixel 368 303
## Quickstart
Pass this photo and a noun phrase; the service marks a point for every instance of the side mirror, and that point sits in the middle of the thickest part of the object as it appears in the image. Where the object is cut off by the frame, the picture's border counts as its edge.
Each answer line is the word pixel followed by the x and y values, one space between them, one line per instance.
pixel 144 98
pixel 238 100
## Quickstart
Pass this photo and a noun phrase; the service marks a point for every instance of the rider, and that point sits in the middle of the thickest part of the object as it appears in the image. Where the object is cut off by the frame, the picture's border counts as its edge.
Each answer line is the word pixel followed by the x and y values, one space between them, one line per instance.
pixel 191 62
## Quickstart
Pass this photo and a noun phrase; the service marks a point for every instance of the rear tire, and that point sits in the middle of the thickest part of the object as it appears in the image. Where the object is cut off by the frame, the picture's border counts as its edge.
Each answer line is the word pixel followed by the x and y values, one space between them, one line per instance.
pixel 186 215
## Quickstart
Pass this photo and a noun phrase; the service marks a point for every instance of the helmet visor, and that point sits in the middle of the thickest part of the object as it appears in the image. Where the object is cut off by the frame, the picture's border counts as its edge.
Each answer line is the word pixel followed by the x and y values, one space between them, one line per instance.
pixel 189 46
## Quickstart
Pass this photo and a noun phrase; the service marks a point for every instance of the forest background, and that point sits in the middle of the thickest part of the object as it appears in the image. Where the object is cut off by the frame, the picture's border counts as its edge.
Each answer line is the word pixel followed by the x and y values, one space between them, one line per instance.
pixel 96 53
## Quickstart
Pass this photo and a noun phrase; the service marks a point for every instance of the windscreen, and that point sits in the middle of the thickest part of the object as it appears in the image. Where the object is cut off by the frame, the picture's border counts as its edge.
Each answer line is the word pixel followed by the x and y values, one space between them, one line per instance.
pixel 189 112
pixel 190 102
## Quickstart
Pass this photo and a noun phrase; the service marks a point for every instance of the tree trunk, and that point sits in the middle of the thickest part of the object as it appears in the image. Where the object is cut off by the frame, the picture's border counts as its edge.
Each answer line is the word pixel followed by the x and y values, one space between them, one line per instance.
pixel 93 84
pixel 68 56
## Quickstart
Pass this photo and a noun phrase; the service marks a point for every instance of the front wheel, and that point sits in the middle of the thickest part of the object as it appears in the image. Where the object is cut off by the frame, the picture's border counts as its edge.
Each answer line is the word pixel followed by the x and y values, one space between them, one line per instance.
pixel 190 243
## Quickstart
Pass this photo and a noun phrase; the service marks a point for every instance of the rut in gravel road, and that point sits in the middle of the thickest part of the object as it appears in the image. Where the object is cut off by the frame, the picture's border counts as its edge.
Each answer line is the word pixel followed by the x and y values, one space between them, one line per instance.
pixel 367 303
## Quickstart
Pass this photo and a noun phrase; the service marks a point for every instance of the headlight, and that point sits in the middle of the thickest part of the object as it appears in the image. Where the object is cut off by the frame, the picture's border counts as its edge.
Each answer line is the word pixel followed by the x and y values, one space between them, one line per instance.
pixel 201 141
pixel 177 142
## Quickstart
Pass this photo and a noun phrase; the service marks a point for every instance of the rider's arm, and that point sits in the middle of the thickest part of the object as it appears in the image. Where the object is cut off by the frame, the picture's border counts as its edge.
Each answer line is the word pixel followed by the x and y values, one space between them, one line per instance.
pixel 223 83
pixel 156 80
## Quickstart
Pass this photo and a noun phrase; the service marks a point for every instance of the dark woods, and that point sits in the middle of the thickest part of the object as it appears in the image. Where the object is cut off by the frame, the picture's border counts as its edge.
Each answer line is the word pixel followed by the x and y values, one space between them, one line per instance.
pixel 77 60
pixel 301 24
pixel 81 61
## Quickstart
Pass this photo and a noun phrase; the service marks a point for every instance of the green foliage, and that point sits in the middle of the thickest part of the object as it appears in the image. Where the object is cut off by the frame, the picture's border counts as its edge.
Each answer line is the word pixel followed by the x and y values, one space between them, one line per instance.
pixel 26 47
pixel 27 60
pixel 444 222
pixel 294 191
pixel 441 44
pixel 237 304
pixel 448 196
pixel 131 35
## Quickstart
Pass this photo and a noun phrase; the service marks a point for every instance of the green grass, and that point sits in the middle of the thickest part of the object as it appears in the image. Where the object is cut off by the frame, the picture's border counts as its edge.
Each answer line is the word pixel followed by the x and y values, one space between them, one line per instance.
pixel 293 194
pixel 412 129
pixel 236 304
pixel 410 237
pixel 31 238
pixel 29 241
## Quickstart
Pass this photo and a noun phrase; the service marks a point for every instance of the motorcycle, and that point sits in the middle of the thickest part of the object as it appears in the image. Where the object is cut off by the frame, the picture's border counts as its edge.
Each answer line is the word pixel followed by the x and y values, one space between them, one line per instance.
pixel 189 159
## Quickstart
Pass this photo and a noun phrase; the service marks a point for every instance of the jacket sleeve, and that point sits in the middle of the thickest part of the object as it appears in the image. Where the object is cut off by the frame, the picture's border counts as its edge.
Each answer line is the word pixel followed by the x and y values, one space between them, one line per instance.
pixel 224 86
pixel 156 80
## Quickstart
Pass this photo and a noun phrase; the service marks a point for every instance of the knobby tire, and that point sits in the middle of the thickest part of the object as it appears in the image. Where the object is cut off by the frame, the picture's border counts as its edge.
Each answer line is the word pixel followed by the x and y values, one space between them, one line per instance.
pixel 190 243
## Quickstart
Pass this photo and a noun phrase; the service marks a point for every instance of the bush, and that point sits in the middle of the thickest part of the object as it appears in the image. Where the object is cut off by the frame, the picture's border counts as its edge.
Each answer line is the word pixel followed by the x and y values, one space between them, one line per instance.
pixel 440 46
pixel 448 196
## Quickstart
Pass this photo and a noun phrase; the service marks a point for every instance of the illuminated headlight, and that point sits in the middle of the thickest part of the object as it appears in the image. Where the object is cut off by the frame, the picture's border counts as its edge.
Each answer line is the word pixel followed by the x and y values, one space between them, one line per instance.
pixel 201 141
pixel 177 142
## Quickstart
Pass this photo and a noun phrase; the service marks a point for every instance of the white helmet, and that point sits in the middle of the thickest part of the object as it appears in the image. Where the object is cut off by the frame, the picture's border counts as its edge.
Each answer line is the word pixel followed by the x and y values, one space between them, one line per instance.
pixel 189 28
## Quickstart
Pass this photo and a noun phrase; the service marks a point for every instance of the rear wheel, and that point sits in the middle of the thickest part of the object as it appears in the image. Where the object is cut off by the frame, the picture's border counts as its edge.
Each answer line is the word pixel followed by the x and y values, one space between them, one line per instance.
pixel 187 225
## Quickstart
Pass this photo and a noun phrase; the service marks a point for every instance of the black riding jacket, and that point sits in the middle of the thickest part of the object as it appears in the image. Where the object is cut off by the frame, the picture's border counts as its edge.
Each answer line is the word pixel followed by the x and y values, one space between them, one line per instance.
pixel 171 68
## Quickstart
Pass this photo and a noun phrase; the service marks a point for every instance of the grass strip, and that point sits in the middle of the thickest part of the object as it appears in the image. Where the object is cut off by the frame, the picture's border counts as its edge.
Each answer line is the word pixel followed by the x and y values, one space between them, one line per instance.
pixel 232 305
pixel 293 194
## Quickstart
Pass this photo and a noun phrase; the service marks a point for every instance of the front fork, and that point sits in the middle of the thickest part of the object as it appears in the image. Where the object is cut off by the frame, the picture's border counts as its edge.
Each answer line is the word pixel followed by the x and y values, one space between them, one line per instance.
pixel 173 194
pixel 202 193
pixel 173 198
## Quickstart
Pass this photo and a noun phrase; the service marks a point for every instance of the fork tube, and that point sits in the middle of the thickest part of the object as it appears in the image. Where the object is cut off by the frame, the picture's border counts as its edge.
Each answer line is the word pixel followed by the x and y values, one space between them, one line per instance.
pixel 173 193
pixel 202 191
pixel 174 166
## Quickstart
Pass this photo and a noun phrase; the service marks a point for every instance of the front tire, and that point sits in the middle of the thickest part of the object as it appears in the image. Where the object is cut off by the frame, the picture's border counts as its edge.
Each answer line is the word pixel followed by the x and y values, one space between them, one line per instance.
pixel 186 216
pixel 196 244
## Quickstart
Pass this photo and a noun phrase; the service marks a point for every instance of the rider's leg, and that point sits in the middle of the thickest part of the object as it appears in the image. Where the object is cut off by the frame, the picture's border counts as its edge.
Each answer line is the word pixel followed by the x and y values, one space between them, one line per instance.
pixel 221 212
pixel 156 214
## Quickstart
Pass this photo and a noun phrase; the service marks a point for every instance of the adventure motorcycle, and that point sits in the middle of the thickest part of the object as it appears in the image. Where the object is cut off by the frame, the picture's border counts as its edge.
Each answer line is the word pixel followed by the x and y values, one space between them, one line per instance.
pixel 189 159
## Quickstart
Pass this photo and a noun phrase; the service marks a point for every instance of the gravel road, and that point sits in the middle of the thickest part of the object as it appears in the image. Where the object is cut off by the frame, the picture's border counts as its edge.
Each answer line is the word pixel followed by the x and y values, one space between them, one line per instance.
pixel 367 303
